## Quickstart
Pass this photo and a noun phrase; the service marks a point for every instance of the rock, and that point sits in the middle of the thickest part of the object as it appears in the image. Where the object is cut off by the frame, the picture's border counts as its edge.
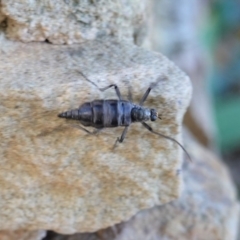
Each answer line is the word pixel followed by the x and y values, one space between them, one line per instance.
pixel 61 22
pixel 22 235
pixel 207 209
pixel 2 17
pixel 54 176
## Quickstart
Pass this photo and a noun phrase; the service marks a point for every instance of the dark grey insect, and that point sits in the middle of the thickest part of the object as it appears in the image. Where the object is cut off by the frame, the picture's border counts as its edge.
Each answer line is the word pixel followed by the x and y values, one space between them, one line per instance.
pixel 115 113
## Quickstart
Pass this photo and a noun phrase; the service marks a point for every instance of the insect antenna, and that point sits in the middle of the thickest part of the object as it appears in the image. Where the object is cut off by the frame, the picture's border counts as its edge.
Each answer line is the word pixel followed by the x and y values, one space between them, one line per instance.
pixel 167 137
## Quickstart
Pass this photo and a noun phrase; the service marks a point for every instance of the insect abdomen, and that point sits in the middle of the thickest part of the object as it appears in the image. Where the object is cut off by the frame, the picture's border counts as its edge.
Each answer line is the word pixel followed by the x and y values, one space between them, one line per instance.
pixel 111 113
pixel 83 114
pixel 116 113
pixel 102 113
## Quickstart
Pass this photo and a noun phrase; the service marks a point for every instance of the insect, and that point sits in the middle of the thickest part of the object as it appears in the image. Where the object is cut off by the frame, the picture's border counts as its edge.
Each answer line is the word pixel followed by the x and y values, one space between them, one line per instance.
pixel 112 113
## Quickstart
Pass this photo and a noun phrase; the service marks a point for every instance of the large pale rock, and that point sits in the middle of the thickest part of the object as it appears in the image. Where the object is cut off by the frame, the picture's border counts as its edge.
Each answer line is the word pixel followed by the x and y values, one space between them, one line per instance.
pixel 22 235
pixel 54 176
pixel 207 210
pixel 2 17
pixel 73 21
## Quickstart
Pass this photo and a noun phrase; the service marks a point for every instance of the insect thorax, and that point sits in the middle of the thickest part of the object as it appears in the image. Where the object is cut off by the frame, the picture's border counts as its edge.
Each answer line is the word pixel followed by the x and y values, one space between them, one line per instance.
pixel 140 114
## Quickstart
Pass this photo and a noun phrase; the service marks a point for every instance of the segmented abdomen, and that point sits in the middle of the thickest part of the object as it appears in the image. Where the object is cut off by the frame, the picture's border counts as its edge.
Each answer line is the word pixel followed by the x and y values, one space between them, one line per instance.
pixel 102 113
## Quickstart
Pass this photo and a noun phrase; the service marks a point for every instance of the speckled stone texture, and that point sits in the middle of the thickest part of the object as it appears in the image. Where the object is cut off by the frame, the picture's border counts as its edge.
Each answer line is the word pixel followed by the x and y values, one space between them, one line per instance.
pixel 73 21
pixel 54 176
pixel 208 208
pixel 22 235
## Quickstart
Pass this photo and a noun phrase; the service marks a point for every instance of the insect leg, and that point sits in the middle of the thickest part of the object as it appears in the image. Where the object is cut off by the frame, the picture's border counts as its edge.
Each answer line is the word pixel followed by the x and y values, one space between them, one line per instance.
pixel 103 89
pixel 153 85
pixel 145 96
pixel 116 89
pixel 122 136
pixel 130 98
pixel 96 131
pixel 169 138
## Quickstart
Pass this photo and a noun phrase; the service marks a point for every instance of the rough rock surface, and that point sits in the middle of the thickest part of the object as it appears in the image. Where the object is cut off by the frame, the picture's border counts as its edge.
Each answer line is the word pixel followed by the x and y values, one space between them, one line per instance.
pixel 54 176
pixel 207 209
pixel 22 235
pixel 2 17
pixel 73 21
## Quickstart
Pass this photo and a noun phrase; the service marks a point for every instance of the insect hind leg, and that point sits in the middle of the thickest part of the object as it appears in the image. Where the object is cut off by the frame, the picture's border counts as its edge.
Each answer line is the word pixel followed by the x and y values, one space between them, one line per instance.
pixel 95 132
pixel 105 88
pixel 153 85
pixel 116 89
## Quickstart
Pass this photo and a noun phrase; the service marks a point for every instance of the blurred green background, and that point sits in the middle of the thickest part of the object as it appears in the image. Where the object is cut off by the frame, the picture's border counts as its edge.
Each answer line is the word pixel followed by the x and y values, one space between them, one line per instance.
pixel 225 78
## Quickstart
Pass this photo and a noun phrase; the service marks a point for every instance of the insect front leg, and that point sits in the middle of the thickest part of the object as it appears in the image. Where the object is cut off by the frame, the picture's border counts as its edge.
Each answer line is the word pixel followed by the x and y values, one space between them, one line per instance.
pixel 130 98
pixel 153 85
pixel 116 89
pixel 96 131
pixel 122 137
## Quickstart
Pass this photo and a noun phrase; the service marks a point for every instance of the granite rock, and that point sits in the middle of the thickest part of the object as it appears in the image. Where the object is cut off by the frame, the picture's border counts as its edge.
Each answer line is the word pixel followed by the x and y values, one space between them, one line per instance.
pixel 207 209
pixel 22 235
pixel 54 176
pixel 69 21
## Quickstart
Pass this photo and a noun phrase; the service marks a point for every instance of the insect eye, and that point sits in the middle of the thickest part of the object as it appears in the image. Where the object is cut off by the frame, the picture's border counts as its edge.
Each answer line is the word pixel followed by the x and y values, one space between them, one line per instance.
pixel 153 115
pixel 153 118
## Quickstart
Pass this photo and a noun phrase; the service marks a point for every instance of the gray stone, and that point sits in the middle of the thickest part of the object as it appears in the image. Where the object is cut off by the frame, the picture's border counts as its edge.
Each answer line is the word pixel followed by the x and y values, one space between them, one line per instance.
pixel 207 209
pixel 54 176
pixel 70 21
pixel 22 235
